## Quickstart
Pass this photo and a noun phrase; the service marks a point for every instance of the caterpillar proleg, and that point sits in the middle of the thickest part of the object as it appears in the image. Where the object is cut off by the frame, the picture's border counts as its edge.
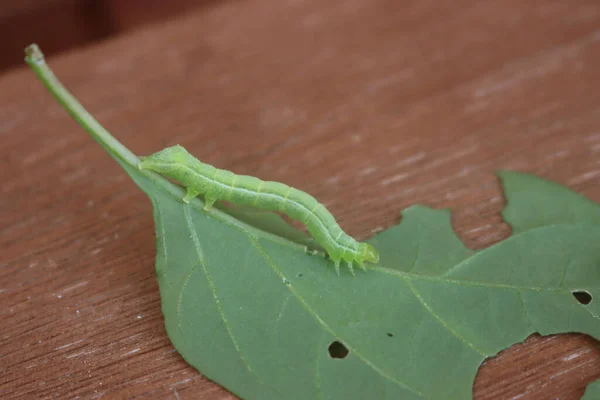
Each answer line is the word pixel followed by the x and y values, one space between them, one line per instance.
pixel 217 184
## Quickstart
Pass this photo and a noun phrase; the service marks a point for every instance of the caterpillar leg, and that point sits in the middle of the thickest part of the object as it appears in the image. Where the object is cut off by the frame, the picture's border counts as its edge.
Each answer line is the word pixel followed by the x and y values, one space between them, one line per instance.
pixel 336 266
pixel 191 193
pixel 351 268
pixel 361 265
pixel 208 203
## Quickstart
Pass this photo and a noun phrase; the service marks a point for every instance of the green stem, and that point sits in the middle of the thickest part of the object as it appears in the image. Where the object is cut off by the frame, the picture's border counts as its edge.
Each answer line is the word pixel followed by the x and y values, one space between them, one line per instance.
pixel 129 161
pixel 35 58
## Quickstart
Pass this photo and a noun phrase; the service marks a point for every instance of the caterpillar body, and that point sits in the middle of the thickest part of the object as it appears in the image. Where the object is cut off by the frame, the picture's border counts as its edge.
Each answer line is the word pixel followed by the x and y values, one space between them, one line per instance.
pixel 217 184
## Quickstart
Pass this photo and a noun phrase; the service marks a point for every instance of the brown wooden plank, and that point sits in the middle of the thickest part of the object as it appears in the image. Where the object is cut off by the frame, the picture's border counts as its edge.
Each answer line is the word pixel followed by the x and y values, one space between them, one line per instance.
pixel 12 8
pixel 370 105
pixel 131 14
pixel 57 25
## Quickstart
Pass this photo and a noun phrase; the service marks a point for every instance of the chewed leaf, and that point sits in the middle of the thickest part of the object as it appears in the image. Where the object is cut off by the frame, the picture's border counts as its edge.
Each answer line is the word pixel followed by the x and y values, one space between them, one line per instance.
pixel 429 246
pixel 274 311
pixel 534 202
pixel 268 320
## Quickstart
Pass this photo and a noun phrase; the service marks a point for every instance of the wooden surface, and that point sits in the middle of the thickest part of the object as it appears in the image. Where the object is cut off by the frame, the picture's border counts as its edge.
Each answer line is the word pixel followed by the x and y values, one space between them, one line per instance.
pixel 56 25
pixel 59 25
pixel 370 105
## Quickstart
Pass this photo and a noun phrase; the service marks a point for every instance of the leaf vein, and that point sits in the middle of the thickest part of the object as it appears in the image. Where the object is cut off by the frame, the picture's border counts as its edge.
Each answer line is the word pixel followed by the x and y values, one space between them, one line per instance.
pixel 564 274
pixel 513 237
pixel 416 260
pixel 211 285
pixel 327 328
pixel 181 293
pixel 317 368
pixel 282 309
pixel 162 236
pixel 412 276
pixel 591 312
pixel 441 321
pixel 524 309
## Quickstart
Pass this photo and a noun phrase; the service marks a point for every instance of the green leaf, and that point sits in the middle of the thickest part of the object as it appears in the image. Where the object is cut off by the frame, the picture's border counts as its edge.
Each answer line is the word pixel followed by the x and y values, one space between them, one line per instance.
pixel 592 392
pixel 427 245
pixel 258 313
pixel 533 202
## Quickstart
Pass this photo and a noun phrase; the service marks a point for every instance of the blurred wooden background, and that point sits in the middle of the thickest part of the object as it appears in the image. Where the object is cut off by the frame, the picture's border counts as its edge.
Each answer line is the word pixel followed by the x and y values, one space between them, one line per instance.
pixel 59 25
pixel 384 102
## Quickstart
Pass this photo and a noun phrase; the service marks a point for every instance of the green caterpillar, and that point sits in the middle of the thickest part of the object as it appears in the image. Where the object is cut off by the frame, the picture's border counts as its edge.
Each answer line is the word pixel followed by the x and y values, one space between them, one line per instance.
pixel 217 184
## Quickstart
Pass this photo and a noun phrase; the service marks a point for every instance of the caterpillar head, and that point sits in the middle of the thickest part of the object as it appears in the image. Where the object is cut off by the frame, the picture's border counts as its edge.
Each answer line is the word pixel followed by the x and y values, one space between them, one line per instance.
pixel 368 253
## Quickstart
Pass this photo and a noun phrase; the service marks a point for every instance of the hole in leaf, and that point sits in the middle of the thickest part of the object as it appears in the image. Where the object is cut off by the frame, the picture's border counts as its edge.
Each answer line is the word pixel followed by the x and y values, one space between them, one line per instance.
pixel 390 335
pixel 337 350
pixel 582 297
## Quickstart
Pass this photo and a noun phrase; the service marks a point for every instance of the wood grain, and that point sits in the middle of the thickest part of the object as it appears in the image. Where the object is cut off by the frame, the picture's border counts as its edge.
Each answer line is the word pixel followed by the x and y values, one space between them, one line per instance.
pixel 131 14
pixel 60 25
pixel 56 25
pixel 370 105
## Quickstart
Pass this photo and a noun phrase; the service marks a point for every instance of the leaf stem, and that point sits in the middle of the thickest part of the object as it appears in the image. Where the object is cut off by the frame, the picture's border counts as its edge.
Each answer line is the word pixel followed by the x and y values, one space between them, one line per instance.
pixel 128 160
pixel 35 58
